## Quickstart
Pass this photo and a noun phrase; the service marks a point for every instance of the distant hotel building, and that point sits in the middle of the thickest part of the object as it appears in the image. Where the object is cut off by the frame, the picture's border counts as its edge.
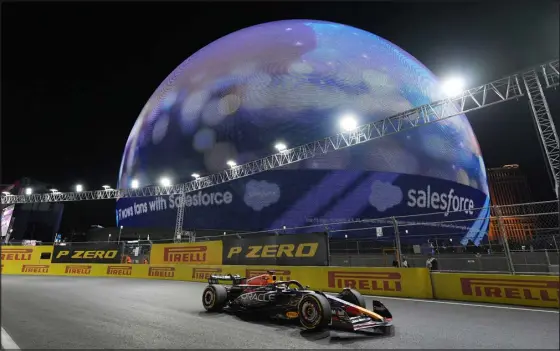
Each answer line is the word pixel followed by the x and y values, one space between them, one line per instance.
pixel 508 185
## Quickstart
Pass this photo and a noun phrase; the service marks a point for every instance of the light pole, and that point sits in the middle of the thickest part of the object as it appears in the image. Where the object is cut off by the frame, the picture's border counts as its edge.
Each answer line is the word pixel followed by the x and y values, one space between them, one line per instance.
pixel 120 231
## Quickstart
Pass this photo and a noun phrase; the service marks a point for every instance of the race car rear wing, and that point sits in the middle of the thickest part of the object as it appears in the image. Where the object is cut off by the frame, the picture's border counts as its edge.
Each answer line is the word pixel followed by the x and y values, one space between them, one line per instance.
pixel 233 278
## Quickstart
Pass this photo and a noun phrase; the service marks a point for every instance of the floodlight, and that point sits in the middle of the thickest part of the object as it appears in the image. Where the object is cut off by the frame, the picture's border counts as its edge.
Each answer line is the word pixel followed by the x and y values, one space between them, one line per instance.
pixel 348 123
pixel 453 86
pixel 165 181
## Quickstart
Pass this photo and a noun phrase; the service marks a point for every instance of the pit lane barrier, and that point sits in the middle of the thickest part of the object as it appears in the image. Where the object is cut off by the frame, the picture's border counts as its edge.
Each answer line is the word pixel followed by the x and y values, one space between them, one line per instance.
pixel 535 291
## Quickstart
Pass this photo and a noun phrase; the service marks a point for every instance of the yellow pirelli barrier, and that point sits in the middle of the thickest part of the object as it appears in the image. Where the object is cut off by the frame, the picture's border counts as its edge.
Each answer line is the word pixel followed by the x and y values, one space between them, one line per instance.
pixel 172 272
pixel 399 282
pixel 208 253
pixel 409 282
pixel 25 254
pixel 537 291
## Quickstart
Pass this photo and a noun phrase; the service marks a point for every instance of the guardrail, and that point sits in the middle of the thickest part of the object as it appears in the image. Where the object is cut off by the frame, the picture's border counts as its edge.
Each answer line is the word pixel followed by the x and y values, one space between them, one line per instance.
pixel 516 239
pixel 536 291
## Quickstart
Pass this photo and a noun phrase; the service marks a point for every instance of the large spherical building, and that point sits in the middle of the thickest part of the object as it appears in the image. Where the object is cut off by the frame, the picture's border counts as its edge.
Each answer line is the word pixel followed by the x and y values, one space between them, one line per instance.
pixel 293 81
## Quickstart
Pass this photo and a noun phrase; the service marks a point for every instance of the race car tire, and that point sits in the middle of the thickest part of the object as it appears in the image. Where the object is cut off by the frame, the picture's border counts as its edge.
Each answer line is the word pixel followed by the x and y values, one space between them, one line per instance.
pixel 214 298
pixel 314 312
pixel 354 297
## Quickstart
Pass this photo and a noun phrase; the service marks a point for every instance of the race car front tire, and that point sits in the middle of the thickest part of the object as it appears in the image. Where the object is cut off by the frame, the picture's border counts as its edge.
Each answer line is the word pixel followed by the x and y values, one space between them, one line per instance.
pixel 214 298
pixel 314 312
pixel 354 297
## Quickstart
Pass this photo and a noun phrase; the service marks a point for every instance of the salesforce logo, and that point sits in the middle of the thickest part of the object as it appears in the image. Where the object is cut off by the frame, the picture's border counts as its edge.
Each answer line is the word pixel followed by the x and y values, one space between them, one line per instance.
pixel 385 195
pixel 447 202
pixel 261 194
pixel 201 199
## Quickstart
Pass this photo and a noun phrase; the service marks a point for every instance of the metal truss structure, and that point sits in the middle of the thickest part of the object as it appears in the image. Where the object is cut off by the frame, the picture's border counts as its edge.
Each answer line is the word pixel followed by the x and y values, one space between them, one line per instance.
pixel 488 94
pixel 542 116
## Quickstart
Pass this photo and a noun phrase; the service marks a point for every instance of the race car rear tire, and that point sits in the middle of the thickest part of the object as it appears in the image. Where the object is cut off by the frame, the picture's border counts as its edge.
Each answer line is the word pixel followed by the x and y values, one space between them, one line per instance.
pixel 314 312
pixel 214 298
pixel 354 297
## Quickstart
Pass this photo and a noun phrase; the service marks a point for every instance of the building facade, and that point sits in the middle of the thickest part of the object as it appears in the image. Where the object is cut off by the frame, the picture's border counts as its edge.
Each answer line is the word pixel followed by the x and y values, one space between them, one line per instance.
pixel 508 188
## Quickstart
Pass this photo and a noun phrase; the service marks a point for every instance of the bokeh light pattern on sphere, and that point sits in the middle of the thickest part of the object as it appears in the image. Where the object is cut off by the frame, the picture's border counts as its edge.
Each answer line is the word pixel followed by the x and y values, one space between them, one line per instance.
pixel 294 82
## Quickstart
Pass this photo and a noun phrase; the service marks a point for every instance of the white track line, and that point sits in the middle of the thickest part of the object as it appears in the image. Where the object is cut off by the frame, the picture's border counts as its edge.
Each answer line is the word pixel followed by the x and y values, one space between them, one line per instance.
pixel 465 304
pixel 7 341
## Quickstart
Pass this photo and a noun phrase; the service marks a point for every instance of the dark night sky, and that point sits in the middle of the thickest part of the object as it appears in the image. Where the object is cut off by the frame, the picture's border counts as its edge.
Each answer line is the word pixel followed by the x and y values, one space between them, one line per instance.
pixel 75 76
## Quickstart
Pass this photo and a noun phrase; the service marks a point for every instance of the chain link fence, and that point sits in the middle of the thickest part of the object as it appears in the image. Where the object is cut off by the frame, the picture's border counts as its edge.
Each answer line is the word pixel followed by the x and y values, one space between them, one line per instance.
pixel 516 239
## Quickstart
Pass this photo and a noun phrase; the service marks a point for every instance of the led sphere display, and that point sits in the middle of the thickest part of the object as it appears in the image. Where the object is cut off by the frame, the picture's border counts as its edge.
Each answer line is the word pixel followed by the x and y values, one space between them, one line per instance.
pixel 290 83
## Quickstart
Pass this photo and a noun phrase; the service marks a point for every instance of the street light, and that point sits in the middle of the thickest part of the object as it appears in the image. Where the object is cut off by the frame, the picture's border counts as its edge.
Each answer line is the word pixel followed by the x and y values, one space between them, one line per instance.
pixel 453 86
pixel 54 191
pixel 165 181
pixel 6 193
pixel 195 175
pixel 120 231
pixel 348 123
pixel 28 191
pixel 79 188
pixel 280 147
pixel 106 187
pixel 231 163
pixel 134 183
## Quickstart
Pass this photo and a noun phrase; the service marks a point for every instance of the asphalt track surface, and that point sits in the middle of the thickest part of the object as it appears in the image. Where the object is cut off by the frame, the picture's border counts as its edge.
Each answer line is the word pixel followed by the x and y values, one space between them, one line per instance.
pixel 85 313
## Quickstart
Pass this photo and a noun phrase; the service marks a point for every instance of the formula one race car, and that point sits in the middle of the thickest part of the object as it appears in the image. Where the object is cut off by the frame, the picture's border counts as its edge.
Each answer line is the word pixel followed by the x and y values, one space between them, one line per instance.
pixel 291 301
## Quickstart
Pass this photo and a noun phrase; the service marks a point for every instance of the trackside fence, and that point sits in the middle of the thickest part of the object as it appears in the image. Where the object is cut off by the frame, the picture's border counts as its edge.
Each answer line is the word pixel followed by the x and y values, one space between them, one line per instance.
pixel 513 239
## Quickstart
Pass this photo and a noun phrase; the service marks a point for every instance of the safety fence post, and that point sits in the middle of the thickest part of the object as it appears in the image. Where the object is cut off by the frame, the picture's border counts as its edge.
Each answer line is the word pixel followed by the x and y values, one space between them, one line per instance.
pixel 397 241
pixel 503 236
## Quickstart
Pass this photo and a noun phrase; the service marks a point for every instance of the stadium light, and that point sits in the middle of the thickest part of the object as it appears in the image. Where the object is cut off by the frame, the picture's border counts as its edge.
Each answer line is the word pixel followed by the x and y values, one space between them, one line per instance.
pixel 79 188
pixel 231 163
pixel 135 184
pixel 164 181
pixel 348 123
pixel 280 147
pixel 195 175
pixel 453 86
pixel 28 191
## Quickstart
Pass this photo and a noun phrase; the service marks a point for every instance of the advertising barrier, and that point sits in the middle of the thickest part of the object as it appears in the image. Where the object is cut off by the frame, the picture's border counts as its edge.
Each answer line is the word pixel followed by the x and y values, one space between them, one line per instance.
pixel 188 253
pixel 538 291
pixel 399 282
pixel 87 253
pixel 309 249
pixel 407 282
pixel 26 254
pixel 173 272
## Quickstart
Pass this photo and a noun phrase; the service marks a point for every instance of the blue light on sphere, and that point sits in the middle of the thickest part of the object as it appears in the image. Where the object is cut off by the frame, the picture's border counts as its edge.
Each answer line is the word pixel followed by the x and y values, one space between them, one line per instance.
pixel 293 81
